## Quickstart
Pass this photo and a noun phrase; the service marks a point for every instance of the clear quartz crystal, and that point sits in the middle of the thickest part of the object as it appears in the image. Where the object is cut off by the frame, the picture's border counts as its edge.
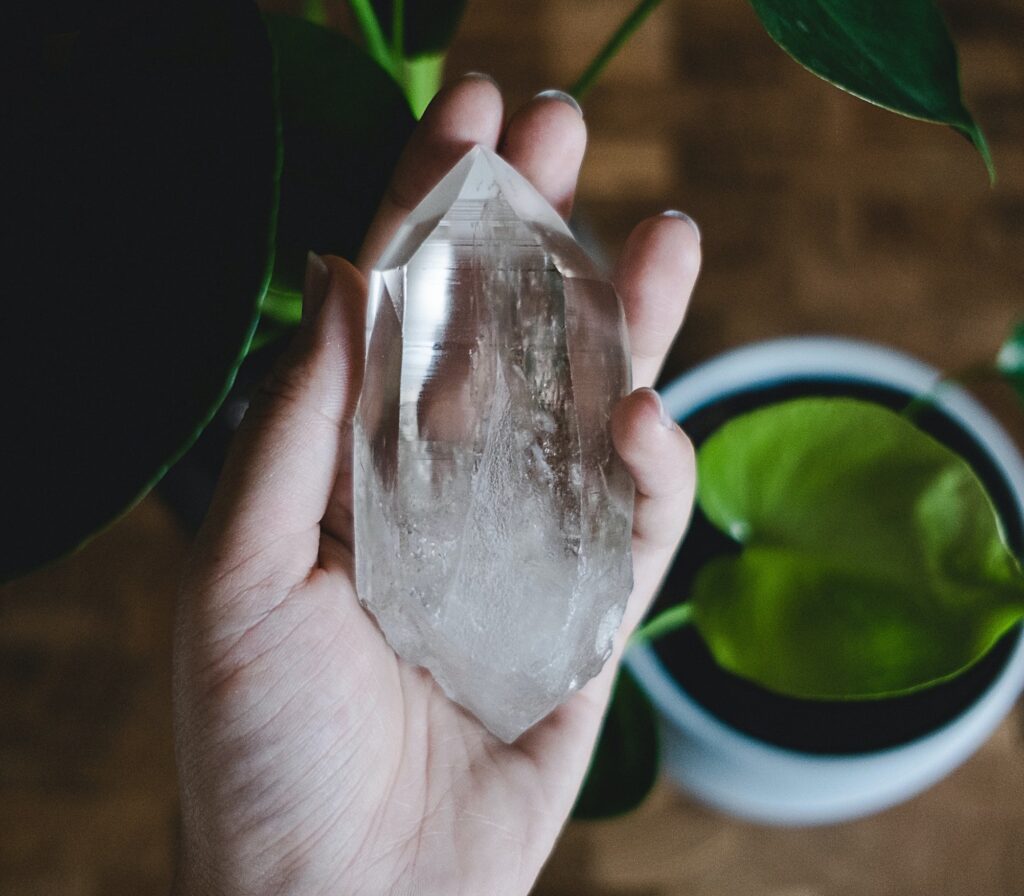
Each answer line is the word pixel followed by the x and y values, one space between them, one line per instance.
pixel 492 516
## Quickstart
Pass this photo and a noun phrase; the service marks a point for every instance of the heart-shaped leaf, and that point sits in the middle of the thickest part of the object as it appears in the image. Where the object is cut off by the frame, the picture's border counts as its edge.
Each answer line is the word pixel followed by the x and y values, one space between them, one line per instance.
pixel 625 763
pixel 344 123
pixel 873 561
pixel 1010 360
pixel 427 26
pixel 895 54
pixel 139 192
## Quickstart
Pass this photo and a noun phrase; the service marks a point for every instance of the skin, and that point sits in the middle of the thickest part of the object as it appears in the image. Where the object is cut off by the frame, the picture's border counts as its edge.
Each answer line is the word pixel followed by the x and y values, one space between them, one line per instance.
pixel 311 759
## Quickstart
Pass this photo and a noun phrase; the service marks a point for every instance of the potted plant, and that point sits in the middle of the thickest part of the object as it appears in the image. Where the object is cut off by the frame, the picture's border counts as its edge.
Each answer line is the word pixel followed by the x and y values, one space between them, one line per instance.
pixel 841 625
pixel 167 227
pixel 176 162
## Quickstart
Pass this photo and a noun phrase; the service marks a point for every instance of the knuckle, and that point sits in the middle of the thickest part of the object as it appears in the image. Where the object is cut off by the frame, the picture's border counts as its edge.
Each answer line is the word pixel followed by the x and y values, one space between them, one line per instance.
pixel 288 382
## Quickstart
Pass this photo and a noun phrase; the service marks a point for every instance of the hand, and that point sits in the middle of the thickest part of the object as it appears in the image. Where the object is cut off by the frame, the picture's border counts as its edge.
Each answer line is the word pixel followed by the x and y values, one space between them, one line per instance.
pixel 311 759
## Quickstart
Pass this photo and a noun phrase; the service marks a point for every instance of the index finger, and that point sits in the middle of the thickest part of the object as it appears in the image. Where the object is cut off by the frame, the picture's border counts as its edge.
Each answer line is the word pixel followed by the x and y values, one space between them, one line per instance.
pixel 463 114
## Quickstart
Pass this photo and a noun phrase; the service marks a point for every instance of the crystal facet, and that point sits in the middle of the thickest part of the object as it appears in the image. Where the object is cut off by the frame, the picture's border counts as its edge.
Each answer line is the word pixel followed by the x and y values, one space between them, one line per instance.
pixel 492 516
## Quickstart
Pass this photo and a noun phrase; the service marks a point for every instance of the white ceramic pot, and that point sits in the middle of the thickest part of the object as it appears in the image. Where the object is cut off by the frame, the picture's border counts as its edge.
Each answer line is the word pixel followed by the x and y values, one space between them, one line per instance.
pixel 751 778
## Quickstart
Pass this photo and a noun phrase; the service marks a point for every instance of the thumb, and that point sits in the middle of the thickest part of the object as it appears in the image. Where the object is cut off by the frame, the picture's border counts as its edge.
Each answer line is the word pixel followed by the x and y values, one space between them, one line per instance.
pixel 283 463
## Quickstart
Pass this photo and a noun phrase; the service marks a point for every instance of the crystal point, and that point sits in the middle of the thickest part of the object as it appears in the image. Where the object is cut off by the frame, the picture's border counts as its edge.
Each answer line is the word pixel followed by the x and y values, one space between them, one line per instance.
pixel 492 516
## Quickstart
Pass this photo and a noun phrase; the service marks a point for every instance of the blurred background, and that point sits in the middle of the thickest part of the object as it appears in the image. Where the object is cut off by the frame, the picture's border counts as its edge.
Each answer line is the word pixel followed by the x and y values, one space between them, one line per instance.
pixel 820 214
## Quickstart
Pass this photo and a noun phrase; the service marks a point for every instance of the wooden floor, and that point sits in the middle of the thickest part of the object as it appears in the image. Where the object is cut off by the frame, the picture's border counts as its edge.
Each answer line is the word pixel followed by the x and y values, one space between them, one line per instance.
pixel 820 214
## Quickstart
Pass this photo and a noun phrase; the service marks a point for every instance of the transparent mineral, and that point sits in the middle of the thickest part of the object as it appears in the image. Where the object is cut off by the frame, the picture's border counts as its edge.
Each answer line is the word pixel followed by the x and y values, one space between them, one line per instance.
pixel 492 516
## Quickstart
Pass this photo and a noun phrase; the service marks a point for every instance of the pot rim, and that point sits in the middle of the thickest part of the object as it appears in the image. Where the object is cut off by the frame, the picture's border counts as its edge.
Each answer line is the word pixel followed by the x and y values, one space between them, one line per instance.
pixel 777 361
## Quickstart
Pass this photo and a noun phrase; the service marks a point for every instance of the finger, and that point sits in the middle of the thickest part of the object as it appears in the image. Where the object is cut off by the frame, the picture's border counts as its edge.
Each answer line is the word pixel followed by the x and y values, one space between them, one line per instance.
pixel 654 278
pixel 661 460
pixel 284 460
pixel 545 141
pixel 466 113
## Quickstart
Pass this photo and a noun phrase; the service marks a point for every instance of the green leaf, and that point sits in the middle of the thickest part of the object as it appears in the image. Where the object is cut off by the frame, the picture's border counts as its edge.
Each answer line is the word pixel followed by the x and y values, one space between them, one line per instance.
pixel 140 179
pixel 428 26
pixel 282 306
pixel 898 55
pixel 422 79
pixel 872 563
pixel 1010 360
pixel 625 763
pixel 344 125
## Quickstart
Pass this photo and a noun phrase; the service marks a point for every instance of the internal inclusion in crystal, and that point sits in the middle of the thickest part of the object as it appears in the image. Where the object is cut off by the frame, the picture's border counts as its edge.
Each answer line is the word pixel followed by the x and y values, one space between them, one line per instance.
pixel 492 515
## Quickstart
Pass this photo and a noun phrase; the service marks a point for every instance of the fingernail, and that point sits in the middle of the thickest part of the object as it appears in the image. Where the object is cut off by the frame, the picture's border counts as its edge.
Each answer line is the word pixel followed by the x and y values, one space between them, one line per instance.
pixel 562 97
pixel 663 415
pixel 314 286
pixel 482 76
pixel 682 216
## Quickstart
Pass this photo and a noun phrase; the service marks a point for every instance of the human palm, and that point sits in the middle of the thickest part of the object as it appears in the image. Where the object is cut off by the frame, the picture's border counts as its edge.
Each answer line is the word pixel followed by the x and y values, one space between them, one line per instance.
pixel 311 759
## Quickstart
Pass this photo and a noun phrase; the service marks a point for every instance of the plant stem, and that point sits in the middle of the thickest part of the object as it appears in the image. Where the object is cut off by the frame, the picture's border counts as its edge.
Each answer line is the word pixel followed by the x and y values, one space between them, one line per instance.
pixel 666 621
pixel 419 78
pixel 376 46
pixel 975 373
pixel 633 21
pixel 397 29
